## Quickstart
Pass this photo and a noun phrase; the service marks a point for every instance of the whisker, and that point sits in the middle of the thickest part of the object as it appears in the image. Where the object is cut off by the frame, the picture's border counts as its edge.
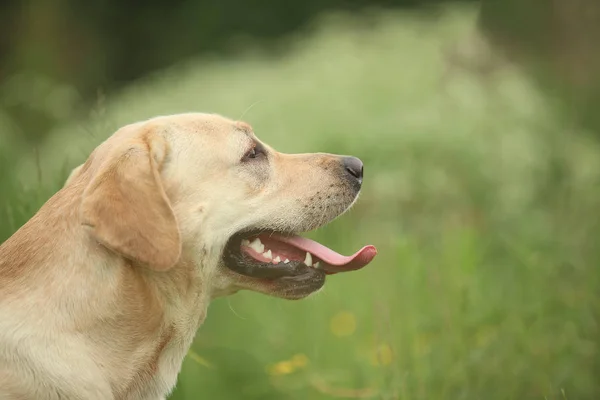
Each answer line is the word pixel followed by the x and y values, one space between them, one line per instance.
pixel 249 108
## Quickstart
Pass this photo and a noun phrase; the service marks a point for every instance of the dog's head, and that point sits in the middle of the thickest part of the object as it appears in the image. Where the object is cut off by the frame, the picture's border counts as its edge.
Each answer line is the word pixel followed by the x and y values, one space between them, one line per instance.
pixel 202 189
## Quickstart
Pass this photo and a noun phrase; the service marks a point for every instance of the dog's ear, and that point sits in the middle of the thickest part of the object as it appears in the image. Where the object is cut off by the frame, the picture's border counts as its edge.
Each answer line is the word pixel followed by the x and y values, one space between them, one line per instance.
pixel 125 205
pixel 74 173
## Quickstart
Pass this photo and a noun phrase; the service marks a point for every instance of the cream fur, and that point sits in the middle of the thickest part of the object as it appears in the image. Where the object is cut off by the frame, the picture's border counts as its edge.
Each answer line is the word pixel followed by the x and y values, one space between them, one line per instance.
pixel 102 291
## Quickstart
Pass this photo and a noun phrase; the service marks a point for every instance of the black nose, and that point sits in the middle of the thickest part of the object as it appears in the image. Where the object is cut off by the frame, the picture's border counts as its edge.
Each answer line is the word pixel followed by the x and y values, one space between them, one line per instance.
pixel 354 167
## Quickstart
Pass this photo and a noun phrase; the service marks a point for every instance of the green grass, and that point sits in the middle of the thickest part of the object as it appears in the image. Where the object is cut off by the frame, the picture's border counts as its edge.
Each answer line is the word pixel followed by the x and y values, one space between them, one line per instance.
pixel 483 205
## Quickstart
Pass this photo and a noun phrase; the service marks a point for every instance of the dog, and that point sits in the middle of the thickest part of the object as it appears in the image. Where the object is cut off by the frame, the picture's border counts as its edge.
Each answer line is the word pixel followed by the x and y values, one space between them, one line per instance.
pixel 103 290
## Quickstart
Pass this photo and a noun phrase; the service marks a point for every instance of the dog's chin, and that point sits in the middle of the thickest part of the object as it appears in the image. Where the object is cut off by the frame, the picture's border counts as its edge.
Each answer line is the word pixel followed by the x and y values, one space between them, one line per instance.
pixel 288 290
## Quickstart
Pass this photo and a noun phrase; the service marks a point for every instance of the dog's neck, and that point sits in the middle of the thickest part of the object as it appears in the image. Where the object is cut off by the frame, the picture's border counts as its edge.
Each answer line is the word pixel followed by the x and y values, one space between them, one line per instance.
pixel 40 242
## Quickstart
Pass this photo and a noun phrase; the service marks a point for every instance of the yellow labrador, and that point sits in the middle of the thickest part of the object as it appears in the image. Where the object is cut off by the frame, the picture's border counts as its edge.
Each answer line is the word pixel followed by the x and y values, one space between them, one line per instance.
pixel 102 291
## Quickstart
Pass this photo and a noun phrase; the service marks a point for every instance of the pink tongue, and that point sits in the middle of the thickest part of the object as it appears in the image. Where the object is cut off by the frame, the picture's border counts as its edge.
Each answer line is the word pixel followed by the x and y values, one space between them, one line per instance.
pixel 335 261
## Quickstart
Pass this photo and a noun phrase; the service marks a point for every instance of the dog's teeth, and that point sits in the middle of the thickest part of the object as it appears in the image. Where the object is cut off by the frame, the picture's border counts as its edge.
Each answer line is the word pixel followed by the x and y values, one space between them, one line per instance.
pixel 257 246
pixel 268 254
pixel 286 261
pixel 245 242
pixel 308 260
pixel 317 266
pixel 277 259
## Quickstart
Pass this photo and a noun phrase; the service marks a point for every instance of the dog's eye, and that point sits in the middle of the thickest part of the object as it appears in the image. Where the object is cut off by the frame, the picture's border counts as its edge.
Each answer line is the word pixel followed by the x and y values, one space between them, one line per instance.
pixel 255 153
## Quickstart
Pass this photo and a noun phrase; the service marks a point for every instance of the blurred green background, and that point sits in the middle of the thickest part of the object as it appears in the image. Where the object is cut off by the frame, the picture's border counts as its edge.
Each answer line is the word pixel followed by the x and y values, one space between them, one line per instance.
pixel 478 124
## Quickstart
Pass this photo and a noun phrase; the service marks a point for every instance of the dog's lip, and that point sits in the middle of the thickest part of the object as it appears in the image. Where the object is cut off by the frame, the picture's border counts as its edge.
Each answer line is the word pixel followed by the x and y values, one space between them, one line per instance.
pixel 332 261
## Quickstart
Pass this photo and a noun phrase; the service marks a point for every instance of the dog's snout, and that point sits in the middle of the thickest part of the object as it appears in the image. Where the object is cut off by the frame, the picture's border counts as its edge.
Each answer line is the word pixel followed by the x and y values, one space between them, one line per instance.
pixel 354 167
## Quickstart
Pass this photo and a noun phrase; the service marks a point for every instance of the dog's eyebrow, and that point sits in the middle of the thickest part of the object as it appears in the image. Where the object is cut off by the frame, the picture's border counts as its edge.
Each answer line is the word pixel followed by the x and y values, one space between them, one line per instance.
pixel 244 127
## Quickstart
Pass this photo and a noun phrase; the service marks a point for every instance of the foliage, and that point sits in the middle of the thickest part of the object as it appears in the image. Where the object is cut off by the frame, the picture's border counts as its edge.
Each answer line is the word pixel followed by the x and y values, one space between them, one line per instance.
pixel 483 205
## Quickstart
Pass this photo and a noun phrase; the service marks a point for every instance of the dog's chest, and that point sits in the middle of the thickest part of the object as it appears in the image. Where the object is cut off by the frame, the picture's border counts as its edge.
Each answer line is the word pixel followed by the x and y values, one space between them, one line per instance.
pixel 163 368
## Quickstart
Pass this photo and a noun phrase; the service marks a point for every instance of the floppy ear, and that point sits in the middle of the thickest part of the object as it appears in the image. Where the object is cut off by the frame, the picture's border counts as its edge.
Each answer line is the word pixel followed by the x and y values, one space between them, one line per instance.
pixel 126 208
pixel 73 175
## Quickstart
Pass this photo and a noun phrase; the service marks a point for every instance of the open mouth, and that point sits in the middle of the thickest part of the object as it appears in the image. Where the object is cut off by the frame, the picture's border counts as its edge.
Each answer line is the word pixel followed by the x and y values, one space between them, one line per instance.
pixel 274 255
pixel 279 249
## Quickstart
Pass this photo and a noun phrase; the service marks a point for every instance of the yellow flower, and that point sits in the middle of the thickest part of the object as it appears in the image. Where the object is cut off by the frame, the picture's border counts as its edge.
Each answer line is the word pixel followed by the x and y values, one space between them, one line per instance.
pixel 286 367
pixel 281 368
pixel 343 324
pixel 382 355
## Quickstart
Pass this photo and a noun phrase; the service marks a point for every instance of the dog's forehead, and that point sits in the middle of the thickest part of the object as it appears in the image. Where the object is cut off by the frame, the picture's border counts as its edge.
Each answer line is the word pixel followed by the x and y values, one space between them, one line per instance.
pixel 244 127
pixel 215 125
